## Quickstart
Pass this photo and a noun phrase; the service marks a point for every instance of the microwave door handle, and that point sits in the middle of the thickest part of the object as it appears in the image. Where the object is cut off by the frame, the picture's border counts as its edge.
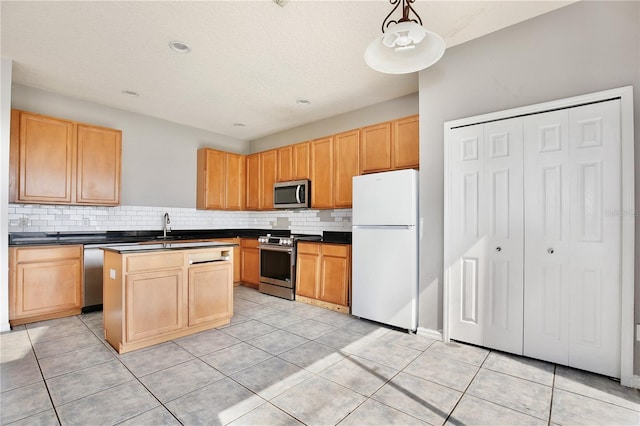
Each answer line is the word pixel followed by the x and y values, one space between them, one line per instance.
pixel 298 188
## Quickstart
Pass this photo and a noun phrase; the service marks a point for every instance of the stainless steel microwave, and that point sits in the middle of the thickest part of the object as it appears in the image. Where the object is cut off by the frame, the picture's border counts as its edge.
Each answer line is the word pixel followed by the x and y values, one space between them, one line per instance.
pixel 295 194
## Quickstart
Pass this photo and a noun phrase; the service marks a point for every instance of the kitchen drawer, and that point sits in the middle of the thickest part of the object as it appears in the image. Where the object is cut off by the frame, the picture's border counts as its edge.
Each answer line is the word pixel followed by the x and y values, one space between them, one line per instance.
pixel 337 250
pixel 249 242
pixel 309 248
pixel 41 254
pixel 154 262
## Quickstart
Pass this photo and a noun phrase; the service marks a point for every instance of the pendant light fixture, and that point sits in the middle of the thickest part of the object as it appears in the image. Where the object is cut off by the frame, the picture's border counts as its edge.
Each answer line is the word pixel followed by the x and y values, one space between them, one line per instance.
pixel 405 46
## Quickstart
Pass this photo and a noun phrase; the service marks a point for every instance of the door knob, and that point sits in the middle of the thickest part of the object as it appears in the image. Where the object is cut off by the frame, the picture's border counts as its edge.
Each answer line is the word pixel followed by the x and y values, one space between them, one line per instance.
pixel 550 250
pixel 498 248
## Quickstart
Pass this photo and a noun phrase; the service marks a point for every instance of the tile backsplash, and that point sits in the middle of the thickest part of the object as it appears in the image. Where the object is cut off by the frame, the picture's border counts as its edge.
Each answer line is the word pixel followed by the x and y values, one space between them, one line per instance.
pixel 54 218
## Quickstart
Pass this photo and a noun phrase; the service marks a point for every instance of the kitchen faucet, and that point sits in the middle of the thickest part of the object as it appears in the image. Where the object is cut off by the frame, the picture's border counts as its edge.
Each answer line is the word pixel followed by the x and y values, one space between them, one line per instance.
pixel 166 225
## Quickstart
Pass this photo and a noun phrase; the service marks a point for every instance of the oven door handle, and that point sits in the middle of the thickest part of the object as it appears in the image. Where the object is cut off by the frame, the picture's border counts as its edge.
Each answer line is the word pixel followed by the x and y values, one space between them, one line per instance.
pixel 276 248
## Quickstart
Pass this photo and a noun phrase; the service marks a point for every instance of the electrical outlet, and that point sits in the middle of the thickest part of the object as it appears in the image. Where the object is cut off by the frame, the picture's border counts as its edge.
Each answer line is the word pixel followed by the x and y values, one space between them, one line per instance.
pixel 23 222
pixel 85 221
pixel 112 274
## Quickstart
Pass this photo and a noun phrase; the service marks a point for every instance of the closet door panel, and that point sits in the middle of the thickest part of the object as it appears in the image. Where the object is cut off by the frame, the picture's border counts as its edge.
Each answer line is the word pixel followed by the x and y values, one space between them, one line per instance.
pixel 467 251
pixel 503 240
pixel 594 132
pixel 547 243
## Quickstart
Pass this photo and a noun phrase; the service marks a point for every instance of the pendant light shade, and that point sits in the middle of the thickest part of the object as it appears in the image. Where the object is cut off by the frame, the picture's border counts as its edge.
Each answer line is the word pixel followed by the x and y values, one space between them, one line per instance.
pixel 405 46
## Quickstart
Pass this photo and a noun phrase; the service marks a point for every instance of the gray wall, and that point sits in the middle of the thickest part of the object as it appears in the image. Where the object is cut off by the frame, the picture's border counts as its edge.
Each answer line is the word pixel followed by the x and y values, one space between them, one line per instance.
pixel 158 156
pixel 385 111
pixel 582 48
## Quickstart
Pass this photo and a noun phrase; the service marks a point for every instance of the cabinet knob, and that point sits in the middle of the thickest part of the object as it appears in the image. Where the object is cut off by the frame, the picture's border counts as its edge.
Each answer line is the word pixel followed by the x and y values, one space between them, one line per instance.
pixel 498 248
pixel 550 250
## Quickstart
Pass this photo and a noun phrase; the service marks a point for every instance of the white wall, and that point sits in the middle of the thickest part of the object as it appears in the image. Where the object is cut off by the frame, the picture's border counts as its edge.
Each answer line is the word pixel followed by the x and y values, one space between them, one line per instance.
pixel 5 119
pixel 158 156
pixel 582 48
pixel 385 111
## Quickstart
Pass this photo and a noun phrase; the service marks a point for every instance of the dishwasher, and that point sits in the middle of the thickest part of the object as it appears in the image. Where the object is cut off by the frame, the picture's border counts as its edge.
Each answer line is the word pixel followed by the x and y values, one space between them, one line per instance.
pixel 93 259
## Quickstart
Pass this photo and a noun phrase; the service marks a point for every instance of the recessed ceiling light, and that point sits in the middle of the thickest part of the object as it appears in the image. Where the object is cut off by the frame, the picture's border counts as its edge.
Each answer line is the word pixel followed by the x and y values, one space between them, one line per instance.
pixel 303 102
pixel 238 125
pixel 130 93
pixel 179 47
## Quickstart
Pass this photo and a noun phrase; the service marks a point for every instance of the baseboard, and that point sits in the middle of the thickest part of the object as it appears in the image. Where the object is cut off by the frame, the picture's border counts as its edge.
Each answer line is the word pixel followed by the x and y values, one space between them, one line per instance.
pixel 633 382
pixel 431 334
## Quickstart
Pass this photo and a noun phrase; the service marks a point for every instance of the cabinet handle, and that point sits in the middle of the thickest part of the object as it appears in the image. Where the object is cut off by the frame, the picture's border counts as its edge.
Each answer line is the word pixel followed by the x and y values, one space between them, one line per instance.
pixel 550 250
pixel 498 248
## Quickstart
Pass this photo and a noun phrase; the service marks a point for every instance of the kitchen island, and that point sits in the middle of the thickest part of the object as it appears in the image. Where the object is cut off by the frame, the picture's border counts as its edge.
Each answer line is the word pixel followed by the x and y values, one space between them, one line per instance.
pixel 154 293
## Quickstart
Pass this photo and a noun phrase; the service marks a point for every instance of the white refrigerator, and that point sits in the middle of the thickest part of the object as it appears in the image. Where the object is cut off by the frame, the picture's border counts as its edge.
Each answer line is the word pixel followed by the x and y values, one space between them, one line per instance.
pixel 385 248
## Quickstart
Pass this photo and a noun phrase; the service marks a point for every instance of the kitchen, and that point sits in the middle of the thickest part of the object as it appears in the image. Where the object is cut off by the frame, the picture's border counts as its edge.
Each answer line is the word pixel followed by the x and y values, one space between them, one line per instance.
pixel 148 184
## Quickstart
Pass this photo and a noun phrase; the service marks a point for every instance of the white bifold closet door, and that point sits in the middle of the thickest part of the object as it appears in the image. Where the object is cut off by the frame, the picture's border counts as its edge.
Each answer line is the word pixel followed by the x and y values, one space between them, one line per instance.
pixel 487 235
pixel 572 237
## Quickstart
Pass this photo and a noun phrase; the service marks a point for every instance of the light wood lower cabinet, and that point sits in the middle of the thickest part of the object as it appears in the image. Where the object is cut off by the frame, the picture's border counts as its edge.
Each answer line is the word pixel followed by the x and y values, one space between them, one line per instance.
pixel 250 262
pixel 323 275
pixel 154 297
pixel 45 283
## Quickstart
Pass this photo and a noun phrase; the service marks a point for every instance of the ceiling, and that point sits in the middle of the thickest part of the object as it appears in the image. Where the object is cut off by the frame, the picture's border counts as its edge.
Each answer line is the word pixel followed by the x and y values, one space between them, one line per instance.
pixel 250 61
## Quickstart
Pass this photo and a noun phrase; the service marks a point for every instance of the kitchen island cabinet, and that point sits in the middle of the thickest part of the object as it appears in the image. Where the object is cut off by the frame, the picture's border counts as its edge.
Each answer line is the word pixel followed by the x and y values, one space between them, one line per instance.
pixel 44 283
pixel 323 275
pixel 159 292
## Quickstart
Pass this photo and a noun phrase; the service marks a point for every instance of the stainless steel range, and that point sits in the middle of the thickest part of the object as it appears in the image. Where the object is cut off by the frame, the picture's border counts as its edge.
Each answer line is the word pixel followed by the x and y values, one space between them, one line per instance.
pixel 278 264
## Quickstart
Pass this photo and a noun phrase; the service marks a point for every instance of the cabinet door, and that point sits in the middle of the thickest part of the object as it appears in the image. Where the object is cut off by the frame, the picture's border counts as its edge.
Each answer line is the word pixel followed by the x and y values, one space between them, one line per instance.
pixel 406 143
pixel 375 148
pixel 253 182
pixel 235 181
pixel 334 275
pixel 210 293
pixel 346 147
pixel 308 270
pixel 98 165
pixel 285 163
pixel 322 173
pixel 300 154
pixel 250 261
pixel 42 288
pixel 268 171
pixel 46 159
pixel 155 303
pixel 211 179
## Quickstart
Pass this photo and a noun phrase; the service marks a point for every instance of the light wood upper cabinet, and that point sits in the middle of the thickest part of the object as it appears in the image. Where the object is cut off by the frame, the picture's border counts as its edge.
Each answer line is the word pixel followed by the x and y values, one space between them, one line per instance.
pixel 220 180
pixel 56 161
pixel 44 283
pixel 391 145
pixel 346 166
pixel 45 158
pixel 322 170
pixel 406 143
pixel 262 169
pixel 268 175
pixel 375 148
pixel 99 158
pixel 285 163
pixel 301 160
pixel 253 181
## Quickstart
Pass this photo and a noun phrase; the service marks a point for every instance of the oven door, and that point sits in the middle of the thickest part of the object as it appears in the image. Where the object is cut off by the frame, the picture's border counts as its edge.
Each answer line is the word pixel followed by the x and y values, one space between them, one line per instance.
pixel 277 265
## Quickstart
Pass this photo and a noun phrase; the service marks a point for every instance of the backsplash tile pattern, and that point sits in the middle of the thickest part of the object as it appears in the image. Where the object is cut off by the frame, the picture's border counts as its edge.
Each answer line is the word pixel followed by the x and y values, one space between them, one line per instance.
pixel 54 218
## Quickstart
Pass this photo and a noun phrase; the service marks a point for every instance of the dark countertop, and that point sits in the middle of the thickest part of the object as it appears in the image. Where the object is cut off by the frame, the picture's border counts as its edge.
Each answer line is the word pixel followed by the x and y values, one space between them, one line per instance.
pixel 142 248
pixel 116 237
pixel 132 237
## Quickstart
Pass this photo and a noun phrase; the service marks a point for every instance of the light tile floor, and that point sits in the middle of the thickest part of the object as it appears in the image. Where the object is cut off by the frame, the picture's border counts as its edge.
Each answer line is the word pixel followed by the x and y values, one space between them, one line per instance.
pixel 287 363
